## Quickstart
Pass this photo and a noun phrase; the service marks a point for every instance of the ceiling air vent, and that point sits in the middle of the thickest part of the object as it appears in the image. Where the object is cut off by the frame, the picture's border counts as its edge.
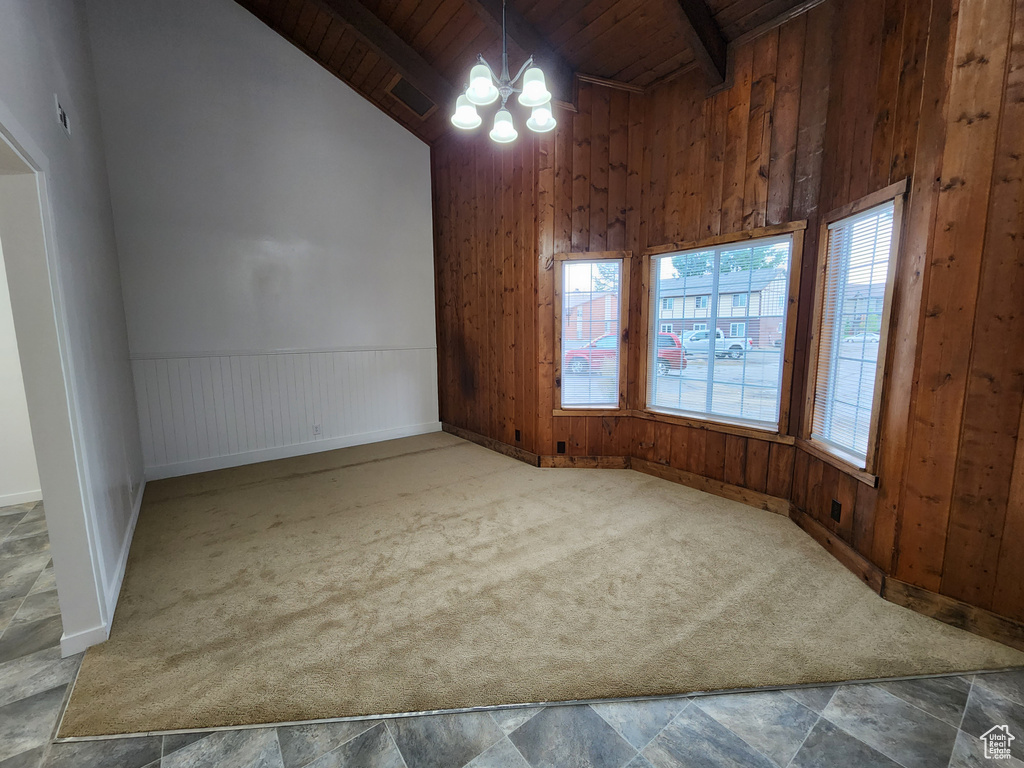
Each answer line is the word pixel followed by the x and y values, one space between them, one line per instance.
pixel 411 97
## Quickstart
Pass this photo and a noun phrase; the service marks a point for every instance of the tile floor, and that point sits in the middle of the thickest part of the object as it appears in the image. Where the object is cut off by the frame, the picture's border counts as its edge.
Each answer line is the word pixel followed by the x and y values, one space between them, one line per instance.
pixel 923 723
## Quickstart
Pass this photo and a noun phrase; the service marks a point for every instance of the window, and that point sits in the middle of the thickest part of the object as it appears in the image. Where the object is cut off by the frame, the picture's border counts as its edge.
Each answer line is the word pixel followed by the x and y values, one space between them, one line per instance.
pixel 737 377
pixel 590 294
pixel 666 304
pixel 853 301
pixel 666 327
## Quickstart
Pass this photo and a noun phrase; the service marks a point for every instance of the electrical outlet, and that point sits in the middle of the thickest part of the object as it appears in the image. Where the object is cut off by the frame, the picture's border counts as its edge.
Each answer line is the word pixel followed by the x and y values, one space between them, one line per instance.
pixel 837 511
pixel 518 436
pixel 316 429
pixel 561 446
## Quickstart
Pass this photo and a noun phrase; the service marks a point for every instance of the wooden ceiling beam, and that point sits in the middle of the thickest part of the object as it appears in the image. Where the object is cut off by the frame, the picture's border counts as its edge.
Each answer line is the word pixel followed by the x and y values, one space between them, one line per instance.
pixel 558 71
pixel 710 48
pixel 385 43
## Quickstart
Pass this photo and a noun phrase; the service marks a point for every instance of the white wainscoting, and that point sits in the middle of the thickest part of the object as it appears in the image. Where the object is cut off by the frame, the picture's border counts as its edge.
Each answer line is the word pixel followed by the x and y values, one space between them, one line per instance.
pixel 220 410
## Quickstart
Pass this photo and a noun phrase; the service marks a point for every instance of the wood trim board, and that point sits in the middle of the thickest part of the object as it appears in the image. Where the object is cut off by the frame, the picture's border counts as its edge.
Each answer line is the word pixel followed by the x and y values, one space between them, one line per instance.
pixel 772 230
pixel 865 570
pixel 955 612
pixel 495 445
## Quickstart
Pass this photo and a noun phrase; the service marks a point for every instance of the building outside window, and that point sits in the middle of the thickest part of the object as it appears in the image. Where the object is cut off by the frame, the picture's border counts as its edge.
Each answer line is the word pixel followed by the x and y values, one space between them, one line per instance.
pixel 735 298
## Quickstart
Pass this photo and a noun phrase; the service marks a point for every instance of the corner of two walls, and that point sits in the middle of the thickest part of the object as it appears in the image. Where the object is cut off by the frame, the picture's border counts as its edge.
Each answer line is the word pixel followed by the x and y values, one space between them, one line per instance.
pixel 836 103
pixel 275 242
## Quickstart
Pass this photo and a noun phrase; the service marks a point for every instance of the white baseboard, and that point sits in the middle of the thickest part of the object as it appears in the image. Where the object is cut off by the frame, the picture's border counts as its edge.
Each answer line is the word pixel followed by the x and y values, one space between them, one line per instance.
pixel 113 587
pixel 287 451
pixel 13 499
pixel 78 642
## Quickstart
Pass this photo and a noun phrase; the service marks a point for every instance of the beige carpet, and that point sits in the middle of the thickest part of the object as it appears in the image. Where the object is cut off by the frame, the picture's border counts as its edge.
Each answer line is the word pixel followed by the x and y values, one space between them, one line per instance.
pixel 430 573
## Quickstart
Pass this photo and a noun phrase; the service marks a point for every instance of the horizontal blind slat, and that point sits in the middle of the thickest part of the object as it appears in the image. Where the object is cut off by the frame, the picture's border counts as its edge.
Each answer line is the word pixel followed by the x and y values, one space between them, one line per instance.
pixel 857 264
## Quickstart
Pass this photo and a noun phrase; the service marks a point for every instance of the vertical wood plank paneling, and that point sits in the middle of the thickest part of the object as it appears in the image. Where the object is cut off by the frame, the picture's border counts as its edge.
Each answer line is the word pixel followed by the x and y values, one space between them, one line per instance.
pixel 581 171
pixel 599 169
pixel 886 102
pixel 737 125
pixel 833 104
pixel 1008 594
pixel 921 151
pixel 995 382
pixel 735 459
pixel 759 130
pixel 758 452
pixel 785 115
pixel 714 457
pixel 976 92
pixel 781 471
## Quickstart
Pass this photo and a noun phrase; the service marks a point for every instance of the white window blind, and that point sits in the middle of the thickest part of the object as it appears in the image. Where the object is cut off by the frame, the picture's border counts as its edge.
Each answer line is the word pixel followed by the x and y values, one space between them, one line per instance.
pixel 853 304
pixel 727 362
pixel 591 338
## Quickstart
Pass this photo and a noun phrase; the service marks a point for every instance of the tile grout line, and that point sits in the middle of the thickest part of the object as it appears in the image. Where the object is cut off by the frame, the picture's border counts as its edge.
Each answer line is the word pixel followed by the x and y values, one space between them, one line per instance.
pixel 963 716
pixel 277 730
pixel 398 749
pixel 277 741
pixel 806 737
pixel 618 733
pixel 921 709
pixel 874 749
pixel 758 751
pixel 23 599
pixel 689 703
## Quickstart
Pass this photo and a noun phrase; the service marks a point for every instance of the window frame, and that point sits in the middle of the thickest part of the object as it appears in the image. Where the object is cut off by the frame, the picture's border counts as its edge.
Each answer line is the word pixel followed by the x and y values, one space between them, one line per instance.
pixel 596 410
pixel 896 194
pixel 718 423
pixel 737 336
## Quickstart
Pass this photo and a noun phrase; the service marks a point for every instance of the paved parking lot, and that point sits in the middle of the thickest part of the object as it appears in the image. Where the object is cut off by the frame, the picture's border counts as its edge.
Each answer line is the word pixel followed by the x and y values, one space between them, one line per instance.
pixel 745 388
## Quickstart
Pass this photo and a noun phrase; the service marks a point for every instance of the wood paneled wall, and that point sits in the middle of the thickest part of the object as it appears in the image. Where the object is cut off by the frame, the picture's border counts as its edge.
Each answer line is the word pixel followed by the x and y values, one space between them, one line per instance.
pixel 833 105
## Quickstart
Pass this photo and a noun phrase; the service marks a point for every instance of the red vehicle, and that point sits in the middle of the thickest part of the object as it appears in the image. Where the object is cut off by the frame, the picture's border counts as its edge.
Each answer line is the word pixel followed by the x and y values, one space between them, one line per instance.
pixel 602 352
pixel 670 353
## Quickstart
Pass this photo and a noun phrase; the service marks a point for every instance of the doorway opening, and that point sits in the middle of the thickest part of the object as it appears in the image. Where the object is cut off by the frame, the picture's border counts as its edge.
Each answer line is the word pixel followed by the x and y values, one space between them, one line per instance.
pixel 46 439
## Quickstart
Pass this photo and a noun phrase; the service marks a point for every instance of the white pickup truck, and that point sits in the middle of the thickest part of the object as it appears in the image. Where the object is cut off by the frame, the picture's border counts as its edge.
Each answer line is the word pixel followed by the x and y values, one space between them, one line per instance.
pixel 696 343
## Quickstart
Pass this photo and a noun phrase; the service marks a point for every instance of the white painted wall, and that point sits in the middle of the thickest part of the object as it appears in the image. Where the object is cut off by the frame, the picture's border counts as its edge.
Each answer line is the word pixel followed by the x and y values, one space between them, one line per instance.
pixel 44 51
pixel 262 208
pixel 19 478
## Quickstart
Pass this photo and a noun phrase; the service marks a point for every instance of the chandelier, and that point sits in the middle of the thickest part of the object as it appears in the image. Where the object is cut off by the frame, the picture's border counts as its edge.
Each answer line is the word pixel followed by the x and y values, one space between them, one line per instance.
pixel 485 87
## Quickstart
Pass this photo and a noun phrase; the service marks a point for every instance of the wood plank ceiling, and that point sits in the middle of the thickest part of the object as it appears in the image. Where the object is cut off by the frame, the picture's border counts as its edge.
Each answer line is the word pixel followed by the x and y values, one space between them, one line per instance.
pixel 368 44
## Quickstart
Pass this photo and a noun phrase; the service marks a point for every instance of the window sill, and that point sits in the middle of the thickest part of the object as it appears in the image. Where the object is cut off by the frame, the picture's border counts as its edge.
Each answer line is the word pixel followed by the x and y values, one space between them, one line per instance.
pixel 716 426
pixel 819 451
pixel 584 411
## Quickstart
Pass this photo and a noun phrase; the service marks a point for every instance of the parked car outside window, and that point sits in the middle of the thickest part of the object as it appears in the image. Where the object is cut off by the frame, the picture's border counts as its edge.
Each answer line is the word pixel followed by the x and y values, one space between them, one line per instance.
pixel 698 343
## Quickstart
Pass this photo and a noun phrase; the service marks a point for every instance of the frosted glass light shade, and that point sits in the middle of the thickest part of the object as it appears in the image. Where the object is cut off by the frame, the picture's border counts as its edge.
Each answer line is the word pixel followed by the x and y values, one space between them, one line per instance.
pixel 503 131
pixel 540 120
pixel 465 116
pixel 535 92
pixel 482 90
